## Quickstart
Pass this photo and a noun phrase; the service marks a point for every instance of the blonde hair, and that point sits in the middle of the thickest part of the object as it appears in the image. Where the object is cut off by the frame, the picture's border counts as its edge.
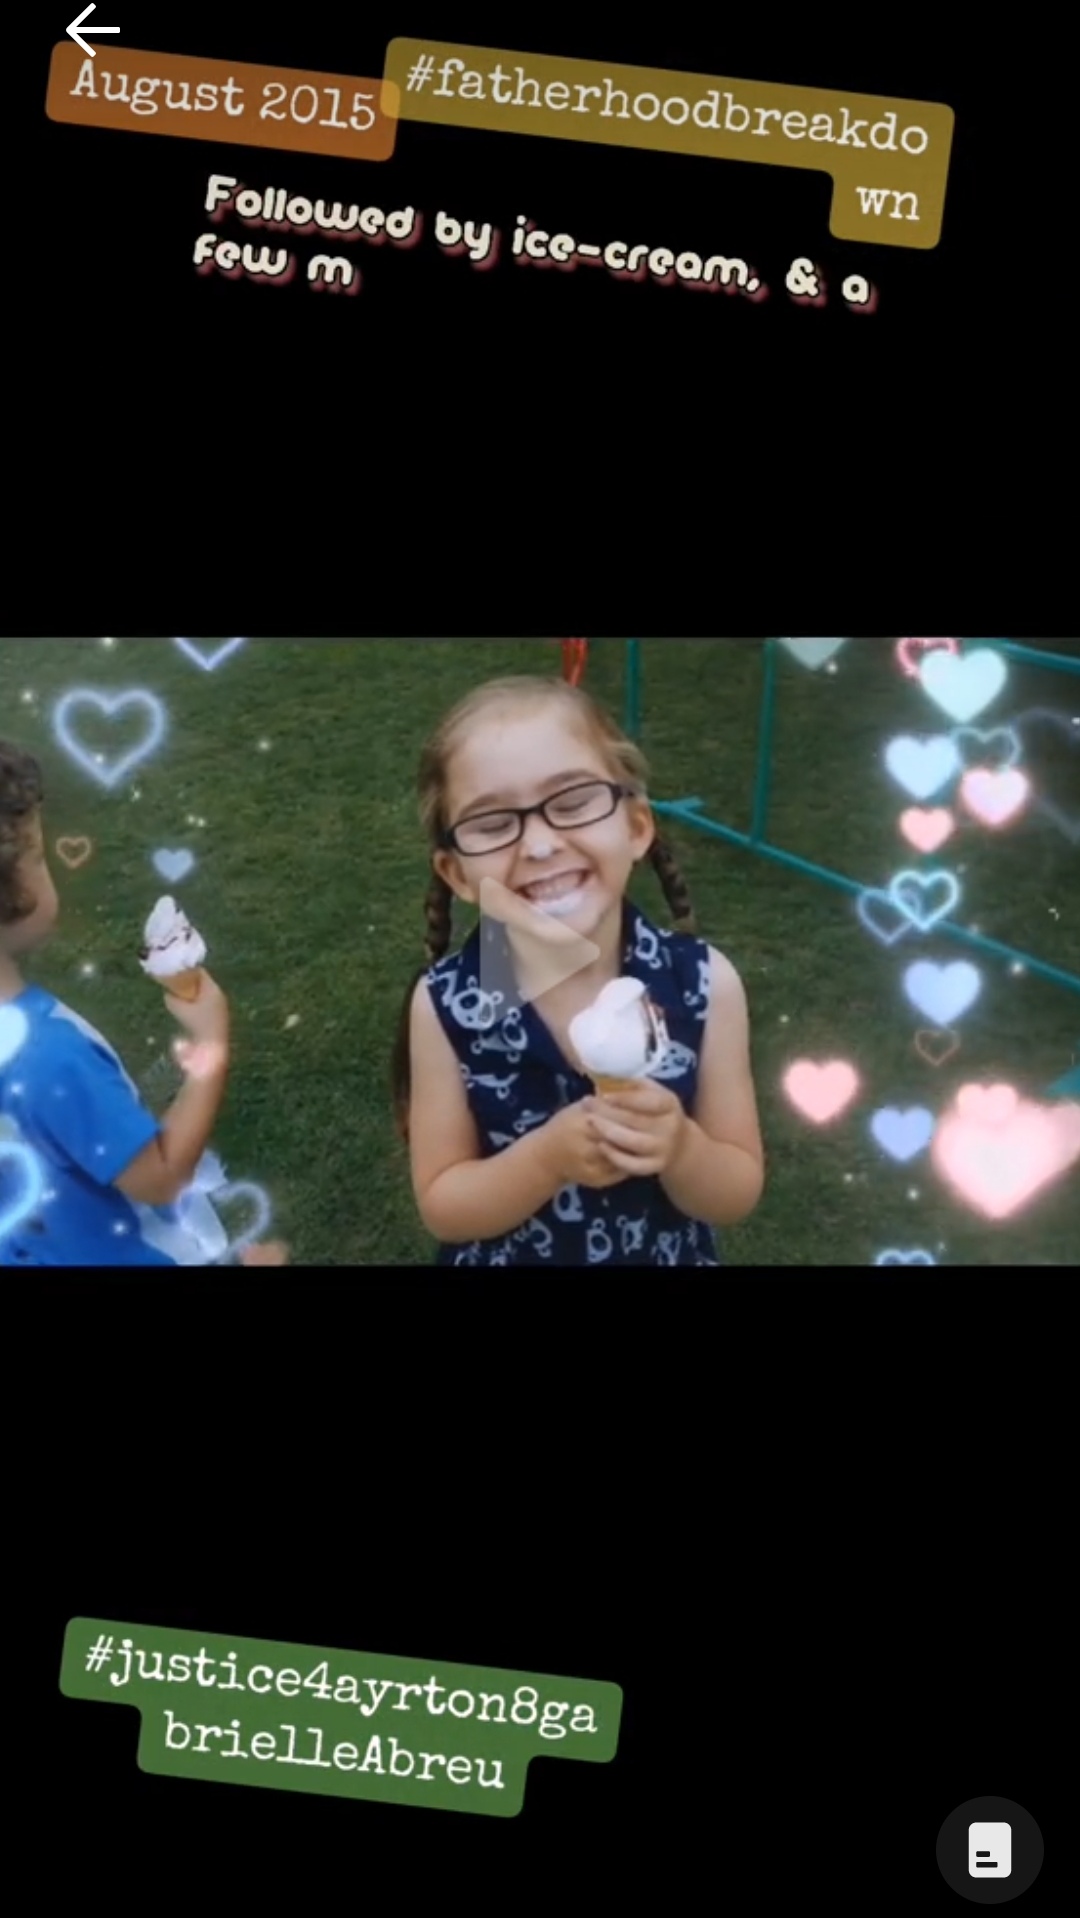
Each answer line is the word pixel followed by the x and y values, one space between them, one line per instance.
pixel 625 761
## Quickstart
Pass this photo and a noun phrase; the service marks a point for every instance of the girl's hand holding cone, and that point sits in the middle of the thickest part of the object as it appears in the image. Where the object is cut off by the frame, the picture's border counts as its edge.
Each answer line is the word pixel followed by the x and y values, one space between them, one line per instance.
pixel 641 1129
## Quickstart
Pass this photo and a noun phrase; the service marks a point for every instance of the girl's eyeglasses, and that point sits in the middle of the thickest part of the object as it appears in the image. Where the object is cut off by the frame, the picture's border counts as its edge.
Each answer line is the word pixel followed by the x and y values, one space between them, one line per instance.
pixel 584 805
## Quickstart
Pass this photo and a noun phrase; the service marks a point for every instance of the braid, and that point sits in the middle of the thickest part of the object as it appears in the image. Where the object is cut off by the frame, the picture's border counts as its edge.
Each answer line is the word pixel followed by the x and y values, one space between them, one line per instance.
pixel 676 891
pixel 439 914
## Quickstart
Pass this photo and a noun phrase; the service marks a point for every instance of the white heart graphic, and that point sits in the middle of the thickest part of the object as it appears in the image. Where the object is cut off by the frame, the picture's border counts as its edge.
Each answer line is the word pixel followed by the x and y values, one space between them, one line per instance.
pixel 813 652
pixel 211 662
pixel 923 766
pixel 943 993
pixel 263 1213
pixel 110 705
pixel 963 685
pixel 14 1029
pixel 31 1188
pixel 174 866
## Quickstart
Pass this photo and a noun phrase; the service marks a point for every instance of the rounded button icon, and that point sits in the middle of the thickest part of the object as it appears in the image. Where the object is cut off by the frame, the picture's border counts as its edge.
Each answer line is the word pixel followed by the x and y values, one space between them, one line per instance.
pixel 990 1850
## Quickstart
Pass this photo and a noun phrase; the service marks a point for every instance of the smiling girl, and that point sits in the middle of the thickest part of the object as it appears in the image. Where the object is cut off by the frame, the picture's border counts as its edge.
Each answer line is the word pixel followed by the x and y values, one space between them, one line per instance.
pixel 536 811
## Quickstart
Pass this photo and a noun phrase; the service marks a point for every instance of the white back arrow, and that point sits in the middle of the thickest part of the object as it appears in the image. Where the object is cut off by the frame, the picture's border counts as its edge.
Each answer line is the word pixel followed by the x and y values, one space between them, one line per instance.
pixel 73 30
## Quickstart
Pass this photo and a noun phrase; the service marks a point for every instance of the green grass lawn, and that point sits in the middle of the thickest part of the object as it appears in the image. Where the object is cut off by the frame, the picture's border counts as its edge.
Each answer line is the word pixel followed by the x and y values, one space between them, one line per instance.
pixel 289 772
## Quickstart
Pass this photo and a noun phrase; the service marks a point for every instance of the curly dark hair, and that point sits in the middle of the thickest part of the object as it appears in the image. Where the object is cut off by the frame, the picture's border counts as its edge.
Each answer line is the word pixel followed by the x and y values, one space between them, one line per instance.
pixel 22 791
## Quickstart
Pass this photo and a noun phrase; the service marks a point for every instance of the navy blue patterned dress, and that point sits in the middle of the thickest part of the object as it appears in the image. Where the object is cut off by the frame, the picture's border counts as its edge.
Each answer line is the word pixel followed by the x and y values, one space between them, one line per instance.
pixel 517 1078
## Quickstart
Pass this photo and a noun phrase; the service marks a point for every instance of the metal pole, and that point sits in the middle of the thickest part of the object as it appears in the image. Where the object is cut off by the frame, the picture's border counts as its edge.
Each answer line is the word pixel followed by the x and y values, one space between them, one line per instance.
pixel 762 777
pixel 687 811
pixel 1028 656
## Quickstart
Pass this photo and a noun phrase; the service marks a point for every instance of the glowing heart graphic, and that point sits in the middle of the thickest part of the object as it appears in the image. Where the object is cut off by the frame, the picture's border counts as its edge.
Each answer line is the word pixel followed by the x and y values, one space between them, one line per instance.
pixel 996 749
pixel 988 1105
pixel 942 992
pixel 998 1166
pixel 926 831
pixel 198 1218
pixel 74 852
pixel 174 866
pixel 910 652
pixel 14 1032
pixel 813 652
pixel 963 685
pixel 911 892
pixel 209 662
pixel 249 1194
pixel 905 1258
pixel 922 766
pixel 937 1047
pixel 883 917
pixel 29 1186
pixel 903 1135
pixel 111 705
pixel 821 1092
pixel 993 798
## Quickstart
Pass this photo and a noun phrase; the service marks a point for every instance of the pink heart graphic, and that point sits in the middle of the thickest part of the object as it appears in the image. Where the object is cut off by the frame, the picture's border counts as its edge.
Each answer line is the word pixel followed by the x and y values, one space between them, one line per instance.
pixel 993 798
pixel 821 1093
pixel 910 652
pixel 987 1105
pixel 927 828
pixel 997 1168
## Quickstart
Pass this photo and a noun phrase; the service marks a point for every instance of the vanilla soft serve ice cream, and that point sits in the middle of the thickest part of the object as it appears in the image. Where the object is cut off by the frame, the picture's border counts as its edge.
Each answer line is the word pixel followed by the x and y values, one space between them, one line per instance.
pixel 620 1036
pixel 171 946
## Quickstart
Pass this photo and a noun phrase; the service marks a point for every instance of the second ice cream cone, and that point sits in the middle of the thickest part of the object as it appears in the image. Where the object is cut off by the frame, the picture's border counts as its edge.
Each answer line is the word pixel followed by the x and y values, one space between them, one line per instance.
pixel 185 985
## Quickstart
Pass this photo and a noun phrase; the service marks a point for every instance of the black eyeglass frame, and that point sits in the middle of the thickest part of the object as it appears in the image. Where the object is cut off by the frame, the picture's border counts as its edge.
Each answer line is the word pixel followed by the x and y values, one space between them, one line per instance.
pixel 448 840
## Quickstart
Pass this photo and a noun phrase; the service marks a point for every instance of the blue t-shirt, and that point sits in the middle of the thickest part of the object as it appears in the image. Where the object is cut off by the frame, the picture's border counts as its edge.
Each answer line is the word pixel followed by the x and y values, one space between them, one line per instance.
pixel 516 1079
pixel 78 1122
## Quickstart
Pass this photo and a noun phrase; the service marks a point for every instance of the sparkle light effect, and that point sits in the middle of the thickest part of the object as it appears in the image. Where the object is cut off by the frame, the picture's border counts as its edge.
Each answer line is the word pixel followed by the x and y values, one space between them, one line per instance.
pixel 20 1196
pixel 109 735
pixel 958 782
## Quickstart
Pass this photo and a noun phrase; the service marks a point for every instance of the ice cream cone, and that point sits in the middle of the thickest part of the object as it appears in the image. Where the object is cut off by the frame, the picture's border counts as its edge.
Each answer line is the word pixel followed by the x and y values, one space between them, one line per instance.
pixel 605 1088
pixel 184 985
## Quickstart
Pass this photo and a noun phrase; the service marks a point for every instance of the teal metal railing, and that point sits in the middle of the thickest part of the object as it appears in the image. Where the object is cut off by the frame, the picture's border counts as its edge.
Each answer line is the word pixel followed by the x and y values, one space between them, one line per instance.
pixel 689 811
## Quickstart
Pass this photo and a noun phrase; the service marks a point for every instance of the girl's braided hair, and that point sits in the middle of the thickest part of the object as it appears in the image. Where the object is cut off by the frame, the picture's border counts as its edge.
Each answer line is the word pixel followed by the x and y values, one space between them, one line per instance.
pixel 626 762
pixel 21 793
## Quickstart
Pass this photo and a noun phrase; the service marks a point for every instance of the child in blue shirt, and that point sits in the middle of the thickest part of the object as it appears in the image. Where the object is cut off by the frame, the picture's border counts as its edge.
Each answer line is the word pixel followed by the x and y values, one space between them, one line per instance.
pixel 87 1175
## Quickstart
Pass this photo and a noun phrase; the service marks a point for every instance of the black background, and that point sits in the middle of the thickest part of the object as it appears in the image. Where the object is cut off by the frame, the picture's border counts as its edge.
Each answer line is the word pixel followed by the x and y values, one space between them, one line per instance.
pixel 812 1527
pixel 525 446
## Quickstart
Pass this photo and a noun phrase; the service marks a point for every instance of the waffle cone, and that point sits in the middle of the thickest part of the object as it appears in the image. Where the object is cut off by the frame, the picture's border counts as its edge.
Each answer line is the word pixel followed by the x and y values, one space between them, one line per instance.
pixel 185 985
pixel 607 1086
